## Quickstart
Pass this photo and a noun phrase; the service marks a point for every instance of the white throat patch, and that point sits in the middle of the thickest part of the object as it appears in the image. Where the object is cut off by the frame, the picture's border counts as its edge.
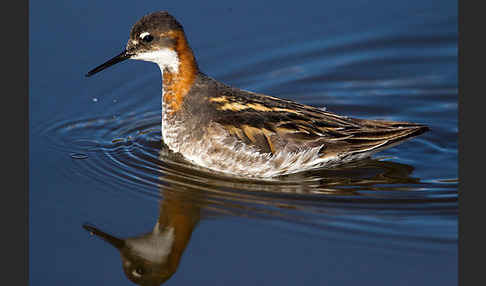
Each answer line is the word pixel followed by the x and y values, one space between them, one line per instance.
pixel 165 58
pixel 154 247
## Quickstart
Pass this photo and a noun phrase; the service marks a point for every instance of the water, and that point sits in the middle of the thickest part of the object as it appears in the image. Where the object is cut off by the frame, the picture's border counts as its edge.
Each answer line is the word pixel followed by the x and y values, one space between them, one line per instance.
pixel 96 156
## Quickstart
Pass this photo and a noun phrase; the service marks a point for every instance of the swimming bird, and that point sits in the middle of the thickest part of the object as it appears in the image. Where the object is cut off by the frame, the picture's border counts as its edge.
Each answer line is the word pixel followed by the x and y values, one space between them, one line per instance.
pixel 240 132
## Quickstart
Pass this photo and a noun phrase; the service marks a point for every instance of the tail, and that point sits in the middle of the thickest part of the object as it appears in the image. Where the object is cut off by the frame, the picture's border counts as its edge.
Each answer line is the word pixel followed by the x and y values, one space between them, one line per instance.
pixel 373 136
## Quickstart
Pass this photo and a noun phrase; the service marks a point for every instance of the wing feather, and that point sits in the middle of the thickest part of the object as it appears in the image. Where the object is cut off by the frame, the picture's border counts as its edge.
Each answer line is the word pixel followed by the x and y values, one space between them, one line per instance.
pixel 271 124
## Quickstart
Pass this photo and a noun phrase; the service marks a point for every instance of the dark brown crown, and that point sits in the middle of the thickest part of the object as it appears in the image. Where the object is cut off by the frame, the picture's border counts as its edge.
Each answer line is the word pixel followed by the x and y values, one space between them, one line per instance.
pixel 157 22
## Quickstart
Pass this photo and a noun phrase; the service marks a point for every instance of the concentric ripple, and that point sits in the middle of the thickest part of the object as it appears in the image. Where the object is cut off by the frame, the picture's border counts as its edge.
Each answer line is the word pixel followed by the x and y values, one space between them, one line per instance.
pixel 405 194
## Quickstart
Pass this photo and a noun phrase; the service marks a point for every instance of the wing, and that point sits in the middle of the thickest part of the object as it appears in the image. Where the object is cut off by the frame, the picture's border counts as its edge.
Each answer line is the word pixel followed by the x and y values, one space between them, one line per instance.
pixel 271 124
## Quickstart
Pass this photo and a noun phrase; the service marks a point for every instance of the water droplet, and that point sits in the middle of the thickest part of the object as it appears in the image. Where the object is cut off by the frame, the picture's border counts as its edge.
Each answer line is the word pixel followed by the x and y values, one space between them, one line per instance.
pixel 79 156
pixel 95 99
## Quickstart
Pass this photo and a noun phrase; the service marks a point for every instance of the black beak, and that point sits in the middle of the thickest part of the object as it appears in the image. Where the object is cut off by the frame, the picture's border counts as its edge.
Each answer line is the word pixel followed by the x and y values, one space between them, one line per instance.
pixel 119 58
pixel 116 242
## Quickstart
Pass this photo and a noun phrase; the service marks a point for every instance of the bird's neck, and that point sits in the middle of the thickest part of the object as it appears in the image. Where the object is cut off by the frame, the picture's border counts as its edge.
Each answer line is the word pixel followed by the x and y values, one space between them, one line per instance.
pixel 181 217
pixel 178 80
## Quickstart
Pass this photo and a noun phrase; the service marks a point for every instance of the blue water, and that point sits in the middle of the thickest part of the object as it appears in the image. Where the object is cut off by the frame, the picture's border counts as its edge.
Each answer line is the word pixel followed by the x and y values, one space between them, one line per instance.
pixel 96 155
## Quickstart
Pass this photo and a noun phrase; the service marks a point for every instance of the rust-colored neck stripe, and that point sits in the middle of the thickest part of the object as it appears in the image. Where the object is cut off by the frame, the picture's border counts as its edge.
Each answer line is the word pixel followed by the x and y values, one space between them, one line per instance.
pixel 177 85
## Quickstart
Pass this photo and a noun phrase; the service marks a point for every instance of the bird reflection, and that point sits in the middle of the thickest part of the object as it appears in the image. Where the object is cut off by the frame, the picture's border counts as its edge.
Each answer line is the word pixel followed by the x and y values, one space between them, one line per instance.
pixel 152 258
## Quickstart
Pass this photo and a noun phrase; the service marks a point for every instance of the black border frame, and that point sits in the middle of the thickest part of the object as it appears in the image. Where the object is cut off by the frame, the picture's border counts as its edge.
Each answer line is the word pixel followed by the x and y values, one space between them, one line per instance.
pixel 15 95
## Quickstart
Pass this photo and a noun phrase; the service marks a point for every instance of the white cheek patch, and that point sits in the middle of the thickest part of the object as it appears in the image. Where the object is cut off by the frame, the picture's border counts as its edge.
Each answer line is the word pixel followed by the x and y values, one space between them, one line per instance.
pixel 165 58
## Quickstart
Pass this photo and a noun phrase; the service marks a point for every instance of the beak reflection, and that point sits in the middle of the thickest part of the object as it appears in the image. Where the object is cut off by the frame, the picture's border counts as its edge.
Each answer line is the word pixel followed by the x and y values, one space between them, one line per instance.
pixel 116 242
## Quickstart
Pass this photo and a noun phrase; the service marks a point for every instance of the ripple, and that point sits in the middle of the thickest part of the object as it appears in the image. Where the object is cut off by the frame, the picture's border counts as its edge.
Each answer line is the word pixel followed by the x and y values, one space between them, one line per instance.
pixel 79 156
pixel 129 156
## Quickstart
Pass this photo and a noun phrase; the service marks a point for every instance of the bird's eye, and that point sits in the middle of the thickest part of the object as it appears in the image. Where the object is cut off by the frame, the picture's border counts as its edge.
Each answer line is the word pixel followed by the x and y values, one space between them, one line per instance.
pixel 147 38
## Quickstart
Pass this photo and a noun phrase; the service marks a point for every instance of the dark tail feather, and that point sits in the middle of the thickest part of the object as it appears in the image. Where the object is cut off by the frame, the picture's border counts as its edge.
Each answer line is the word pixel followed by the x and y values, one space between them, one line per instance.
pixel 375 136
pixel 380 139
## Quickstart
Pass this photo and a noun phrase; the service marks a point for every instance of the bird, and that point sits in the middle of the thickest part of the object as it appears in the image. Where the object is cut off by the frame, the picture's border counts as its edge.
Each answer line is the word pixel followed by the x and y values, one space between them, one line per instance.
pixel 244 133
